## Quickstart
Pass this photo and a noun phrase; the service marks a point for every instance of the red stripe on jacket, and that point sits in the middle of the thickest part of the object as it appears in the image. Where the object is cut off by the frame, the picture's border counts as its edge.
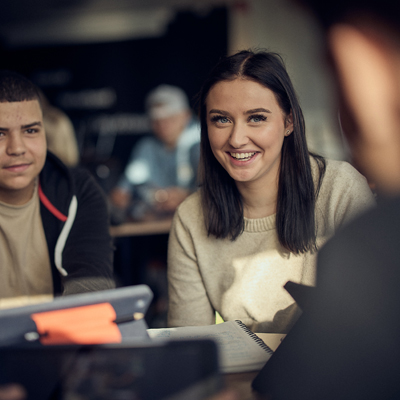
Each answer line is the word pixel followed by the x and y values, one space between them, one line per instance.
pixel 46 202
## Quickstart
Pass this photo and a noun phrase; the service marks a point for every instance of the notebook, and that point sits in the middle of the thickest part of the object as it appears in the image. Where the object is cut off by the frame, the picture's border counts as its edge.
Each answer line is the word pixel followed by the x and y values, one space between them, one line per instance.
pixel 108 316
pixel 137 370
pixel 240 349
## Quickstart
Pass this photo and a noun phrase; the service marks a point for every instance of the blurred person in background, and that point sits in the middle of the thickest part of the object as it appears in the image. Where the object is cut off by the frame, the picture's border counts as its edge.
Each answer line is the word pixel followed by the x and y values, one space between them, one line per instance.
pixel 60 133
pixel 162 168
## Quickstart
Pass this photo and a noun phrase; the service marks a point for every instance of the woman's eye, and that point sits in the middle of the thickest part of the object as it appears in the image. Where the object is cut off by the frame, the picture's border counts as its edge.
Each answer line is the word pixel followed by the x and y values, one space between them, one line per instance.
pixel 257 118
pixel 220 119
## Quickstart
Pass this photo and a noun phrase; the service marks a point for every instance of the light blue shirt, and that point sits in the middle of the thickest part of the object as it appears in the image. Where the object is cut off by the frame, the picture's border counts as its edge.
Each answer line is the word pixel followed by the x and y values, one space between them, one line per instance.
pixel 153 166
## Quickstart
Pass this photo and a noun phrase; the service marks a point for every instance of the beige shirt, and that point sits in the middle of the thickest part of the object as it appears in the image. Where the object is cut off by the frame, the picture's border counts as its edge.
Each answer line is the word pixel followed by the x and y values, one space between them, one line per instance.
pixel 244 279
pixel 24 260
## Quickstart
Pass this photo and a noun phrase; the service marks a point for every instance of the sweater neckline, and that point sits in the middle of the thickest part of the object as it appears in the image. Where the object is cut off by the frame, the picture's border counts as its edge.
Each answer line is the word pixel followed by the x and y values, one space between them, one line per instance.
pixel 260 224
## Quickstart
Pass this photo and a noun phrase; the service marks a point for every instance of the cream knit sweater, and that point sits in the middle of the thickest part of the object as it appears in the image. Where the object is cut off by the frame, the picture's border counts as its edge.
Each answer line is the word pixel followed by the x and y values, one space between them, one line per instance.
pixel 244 279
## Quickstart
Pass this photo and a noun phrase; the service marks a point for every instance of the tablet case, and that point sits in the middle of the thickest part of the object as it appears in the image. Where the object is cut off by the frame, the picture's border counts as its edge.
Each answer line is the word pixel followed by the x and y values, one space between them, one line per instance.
pixel 108 316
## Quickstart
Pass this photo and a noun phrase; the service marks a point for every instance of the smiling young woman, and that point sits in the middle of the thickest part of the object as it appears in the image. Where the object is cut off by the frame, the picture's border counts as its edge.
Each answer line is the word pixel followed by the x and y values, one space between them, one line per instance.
pixel 265 204
pixel 246 129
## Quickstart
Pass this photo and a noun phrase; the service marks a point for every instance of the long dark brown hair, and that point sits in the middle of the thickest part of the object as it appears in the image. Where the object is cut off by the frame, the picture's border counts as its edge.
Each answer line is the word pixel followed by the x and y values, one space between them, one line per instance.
pixel 221 200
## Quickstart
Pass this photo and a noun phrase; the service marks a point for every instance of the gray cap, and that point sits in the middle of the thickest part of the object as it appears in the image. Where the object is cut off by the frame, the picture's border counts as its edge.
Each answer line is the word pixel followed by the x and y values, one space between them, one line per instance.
pixel 166 100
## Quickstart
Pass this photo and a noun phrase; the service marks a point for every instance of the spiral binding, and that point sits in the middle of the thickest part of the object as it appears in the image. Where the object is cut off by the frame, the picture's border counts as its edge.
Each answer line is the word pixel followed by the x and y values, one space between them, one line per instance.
pixel 258 340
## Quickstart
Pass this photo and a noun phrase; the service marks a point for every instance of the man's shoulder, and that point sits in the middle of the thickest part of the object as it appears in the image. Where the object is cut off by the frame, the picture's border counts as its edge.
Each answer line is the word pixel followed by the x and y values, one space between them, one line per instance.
pixel 85 183
pixel 59 180
pixel 56 171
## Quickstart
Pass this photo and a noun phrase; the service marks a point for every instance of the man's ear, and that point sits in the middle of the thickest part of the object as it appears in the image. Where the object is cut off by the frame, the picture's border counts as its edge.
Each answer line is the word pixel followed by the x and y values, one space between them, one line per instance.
pixel 367 72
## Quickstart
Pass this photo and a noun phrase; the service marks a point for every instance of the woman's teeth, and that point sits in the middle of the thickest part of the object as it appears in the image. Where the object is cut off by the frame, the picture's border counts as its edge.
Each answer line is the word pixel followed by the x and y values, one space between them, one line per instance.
pixel 242 156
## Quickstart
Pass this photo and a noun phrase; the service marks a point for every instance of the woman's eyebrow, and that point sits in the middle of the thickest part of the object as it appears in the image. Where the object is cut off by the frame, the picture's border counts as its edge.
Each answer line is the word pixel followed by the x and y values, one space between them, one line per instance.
pixel 214 111
pixel 256 110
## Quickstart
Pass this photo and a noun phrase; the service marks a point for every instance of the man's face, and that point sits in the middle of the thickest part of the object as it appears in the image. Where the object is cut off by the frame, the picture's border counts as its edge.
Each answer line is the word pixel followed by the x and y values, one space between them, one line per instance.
pixel 22 150
pixel 169 129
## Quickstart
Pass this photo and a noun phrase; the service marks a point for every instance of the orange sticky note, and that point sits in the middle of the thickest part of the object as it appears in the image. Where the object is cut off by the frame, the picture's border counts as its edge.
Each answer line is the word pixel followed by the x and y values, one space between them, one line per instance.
pixel 91 324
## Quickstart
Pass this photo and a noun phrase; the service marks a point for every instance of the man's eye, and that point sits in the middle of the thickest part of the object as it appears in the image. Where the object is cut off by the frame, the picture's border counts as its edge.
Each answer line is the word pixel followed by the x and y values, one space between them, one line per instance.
pixel 31 130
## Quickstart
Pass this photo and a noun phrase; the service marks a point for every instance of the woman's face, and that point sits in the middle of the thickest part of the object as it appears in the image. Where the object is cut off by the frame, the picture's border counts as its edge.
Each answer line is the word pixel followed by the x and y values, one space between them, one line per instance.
pixel 246 129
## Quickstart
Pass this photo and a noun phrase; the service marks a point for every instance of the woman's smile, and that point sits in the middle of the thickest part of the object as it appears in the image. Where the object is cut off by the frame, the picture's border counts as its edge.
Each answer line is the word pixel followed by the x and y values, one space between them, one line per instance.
pixel 242 156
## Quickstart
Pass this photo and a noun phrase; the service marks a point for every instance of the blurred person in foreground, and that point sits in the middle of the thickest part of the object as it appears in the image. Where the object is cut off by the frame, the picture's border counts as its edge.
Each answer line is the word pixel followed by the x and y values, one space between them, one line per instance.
pixel 346 344
pixel 162 168
pixel 54 236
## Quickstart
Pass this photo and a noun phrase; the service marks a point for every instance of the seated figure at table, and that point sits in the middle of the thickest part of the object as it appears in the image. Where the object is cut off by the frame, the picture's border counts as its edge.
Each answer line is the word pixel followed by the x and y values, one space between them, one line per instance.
pixel 54 236
pixel 265 204
pixel 162 168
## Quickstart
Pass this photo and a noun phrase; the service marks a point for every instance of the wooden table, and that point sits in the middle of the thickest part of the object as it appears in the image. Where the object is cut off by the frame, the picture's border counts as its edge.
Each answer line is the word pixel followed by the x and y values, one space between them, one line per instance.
pixel 241 384
pixel 140 228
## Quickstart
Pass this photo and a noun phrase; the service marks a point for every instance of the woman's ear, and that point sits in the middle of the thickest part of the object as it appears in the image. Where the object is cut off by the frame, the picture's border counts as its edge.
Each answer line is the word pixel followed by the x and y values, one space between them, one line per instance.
pixel 289 124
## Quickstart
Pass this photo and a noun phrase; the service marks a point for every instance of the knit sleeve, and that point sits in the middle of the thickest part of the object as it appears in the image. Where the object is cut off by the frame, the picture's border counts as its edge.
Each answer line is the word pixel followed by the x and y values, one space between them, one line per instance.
pixel 344 195
pixel 188 300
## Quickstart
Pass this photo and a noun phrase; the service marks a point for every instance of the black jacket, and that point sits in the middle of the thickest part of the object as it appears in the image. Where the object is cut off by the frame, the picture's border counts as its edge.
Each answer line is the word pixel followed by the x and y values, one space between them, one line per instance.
pixel 75 221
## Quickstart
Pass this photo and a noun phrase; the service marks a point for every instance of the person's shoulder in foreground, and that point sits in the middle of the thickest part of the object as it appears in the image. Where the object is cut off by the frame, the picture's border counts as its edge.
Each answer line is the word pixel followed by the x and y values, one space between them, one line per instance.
pixel 345 345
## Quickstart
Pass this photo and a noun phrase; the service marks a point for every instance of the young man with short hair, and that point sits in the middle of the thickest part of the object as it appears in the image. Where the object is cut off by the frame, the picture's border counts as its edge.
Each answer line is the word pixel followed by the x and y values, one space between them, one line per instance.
pixel 54 231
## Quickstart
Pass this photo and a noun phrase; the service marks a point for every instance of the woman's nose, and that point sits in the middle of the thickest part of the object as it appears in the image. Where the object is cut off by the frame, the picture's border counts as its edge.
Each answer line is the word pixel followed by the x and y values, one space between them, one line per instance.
pixel 238 137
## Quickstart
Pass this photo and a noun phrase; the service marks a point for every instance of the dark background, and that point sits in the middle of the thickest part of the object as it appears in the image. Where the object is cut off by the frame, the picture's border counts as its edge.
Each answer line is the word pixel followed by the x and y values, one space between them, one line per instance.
pixel 128 69
pixel 102 87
